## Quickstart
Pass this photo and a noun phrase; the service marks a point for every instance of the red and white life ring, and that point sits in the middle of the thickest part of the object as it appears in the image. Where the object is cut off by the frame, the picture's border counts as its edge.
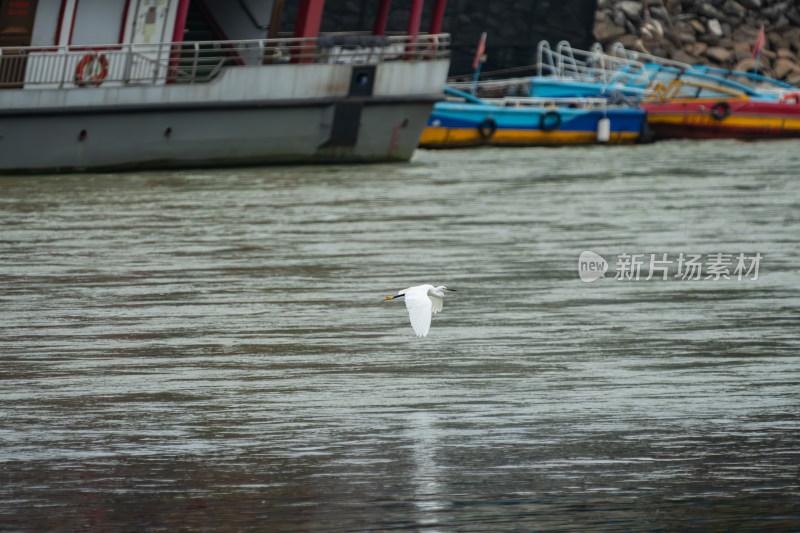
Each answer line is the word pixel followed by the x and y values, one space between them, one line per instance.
pixel 92 70
pixel 791 98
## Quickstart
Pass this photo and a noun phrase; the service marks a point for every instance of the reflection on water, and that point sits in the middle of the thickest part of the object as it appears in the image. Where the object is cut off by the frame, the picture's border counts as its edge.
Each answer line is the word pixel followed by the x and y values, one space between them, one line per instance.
pixel 209 349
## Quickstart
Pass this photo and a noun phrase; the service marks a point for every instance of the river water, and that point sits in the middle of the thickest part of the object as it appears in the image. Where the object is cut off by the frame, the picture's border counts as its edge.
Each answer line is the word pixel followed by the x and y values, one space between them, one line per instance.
pixel 208 350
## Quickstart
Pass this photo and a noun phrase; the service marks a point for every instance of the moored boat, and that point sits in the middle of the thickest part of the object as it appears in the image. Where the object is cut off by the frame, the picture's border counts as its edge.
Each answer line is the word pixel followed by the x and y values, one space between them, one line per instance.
pixel 526 121
pixel 686 109
pixel 188 83
pixel 707 103
pixel 681 100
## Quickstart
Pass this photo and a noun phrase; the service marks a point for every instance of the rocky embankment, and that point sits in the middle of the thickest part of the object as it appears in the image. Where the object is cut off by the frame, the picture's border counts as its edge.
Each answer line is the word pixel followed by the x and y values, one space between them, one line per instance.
pixel 720 33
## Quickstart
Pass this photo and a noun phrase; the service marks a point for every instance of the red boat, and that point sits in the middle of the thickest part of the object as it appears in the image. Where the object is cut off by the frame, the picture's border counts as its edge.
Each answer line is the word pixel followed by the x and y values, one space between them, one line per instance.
pixel 690 109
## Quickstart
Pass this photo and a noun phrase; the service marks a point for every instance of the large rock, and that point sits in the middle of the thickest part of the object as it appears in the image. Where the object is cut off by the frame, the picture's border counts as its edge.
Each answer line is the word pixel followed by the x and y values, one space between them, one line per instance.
pixel 749 64
pixel 751 4
pixel 785 68
pixel 619 18
pixel 674 7
pixel 632 42
pixel 607 32
pixel 776 40
pixel 699 27
pixel 652 29
pixel 715 28
pixel 697 49
pixel 659 13
pixel 732 8
pixel 686 37
pixel 781 24
pixel 683 57
pixel 792 37
pixel 707 10
pixel 745 33
pixel 719 55
pixel 774 12
pixel 794 16
pixel 742 50
pixel 632 10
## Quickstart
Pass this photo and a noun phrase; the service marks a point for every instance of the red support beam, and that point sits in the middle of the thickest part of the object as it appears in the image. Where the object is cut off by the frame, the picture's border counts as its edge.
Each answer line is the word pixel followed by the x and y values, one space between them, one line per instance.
pixel 180 20
pixel 436 18
pixel 415 17
pixel 309 18
pixel 382 17
pixel 177 36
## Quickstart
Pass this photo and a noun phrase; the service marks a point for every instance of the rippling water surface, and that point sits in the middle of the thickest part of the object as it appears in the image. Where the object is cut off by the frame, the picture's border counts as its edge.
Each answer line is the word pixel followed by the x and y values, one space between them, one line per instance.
pixel 209 350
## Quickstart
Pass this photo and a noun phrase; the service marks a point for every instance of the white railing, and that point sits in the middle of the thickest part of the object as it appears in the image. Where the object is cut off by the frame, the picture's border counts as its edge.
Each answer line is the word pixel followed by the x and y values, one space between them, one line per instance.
pixel 752 80
pixel 592 65
pixel 547 102
pixel 201 61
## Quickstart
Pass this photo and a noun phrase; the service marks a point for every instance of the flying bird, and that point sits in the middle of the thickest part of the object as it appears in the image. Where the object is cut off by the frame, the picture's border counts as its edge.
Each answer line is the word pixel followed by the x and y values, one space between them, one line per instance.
pixel 422 302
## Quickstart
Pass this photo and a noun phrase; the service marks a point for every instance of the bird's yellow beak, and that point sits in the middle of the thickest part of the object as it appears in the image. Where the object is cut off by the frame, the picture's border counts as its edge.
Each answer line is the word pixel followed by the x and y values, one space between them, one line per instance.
pixel 388 298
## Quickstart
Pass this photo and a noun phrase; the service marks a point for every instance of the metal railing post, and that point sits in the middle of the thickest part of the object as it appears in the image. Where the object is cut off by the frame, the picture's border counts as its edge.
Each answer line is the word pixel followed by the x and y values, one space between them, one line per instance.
pixel 64 70
pixel 194 63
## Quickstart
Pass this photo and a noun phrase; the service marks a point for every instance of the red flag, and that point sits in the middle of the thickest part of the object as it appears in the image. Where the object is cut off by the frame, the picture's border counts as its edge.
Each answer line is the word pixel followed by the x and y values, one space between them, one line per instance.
pixel 479 52
pixel 759 43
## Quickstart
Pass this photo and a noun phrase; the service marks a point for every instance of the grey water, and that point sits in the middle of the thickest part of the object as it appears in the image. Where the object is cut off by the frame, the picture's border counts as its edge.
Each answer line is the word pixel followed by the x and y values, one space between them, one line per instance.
pixel 209 350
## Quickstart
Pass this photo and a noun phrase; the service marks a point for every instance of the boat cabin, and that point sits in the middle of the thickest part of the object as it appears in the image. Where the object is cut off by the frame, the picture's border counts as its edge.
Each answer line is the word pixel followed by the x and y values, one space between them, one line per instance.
pixel 86 43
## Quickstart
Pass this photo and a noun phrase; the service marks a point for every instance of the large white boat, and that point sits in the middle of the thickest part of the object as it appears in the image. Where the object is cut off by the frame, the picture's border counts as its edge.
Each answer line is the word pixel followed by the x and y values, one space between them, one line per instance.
pixel 204 82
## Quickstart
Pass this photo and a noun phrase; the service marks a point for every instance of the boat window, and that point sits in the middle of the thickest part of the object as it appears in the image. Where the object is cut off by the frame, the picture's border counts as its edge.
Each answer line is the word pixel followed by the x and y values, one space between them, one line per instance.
pixel 98 22
pixel 46 26
pixel 709 92
pixel 686 91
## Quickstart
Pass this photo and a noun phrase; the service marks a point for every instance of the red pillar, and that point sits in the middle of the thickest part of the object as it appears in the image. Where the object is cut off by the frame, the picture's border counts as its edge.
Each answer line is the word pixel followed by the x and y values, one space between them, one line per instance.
pixel 382 17
pixel 438 15
pixel 177 37
pixel 415 17
pixel 180 20
pixel 309 17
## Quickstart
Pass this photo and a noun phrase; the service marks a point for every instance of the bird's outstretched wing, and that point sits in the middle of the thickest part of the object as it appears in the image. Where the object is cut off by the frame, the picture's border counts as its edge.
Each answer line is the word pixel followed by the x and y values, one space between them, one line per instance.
pixel 436 303
pixel 419 311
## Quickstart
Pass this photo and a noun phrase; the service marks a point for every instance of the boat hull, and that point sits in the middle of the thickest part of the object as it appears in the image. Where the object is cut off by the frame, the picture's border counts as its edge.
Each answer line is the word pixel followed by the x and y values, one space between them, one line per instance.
pixel 248 115
pixel 454 125
pixel 247 133
pixel 724 119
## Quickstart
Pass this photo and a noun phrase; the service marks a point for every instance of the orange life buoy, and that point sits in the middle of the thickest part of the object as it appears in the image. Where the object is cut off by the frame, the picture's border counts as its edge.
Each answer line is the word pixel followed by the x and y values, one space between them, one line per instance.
pixel 92 70
pixel 791 98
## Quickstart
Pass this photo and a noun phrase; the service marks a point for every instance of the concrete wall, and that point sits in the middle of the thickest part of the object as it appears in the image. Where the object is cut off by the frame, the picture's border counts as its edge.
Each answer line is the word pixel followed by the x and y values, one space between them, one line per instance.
pixel 514 27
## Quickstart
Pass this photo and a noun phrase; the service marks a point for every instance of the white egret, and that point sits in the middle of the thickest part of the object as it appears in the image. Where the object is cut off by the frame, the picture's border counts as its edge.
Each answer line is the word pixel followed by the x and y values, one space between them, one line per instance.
pixel 422 302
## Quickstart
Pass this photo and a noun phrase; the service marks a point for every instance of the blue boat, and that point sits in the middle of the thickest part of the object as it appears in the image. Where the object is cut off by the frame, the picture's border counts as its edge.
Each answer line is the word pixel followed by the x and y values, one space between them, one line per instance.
pixel 466 120
pixel 569 72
